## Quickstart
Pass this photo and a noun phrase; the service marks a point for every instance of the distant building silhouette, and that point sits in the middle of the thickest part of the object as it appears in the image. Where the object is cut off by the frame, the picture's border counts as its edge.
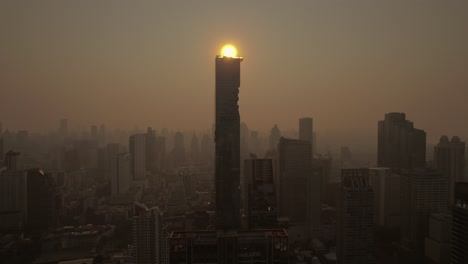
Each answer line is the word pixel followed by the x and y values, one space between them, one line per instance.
pixel 275 136
pixel 346 158
pixel 121 179
pixel 149 236
pixel 13 160
pixel 306 131
pixel 298 191
pixel 259 194
pixel 227 141
pixel 423 192
pixel 137 146
pixel 459 234
pixel 355 218
pixel 449 158
pixel 400 144
pixel 195 150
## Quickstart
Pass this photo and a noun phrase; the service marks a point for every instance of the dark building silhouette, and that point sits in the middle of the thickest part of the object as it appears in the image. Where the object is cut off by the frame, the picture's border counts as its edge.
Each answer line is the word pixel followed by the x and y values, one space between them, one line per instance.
pixel 195 150
pixel 43 201
pixel 150 149
pixel 275 136
pixel 400 144
pixel 306 131
pixel 423 192
pixel 459 232
pixel 355 218
pixel 137 147
pixel 12 160
pixel 227 141
pixel 259 190
pixel 449 158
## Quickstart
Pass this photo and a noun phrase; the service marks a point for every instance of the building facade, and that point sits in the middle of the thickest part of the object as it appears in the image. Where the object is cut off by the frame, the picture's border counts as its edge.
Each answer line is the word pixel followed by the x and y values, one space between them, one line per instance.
pixel 227 142
pixel 387 190
pixel 355 218
pixel 137 146
pixel 400 144
pixel 459 254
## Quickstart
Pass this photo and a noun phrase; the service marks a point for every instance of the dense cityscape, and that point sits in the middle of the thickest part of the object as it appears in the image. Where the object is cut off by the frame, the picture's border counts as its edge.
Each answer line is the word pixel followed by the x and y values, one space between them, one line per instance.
pixel 204 132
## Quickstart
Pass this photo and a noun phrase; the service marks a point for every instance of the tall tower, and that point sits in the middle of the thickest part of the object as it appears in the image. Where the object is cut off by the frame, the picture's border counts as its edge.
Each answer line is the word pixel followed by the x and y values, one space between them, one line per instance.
pixel 137 146
pixel 306 131
pixel 227 141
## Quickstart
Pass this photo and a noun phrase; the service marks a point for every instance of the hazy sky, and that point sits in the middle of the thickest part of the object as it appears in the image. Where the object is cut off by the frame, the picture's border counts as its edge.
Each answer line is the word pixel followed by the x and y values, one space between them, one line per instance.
pixel 139 63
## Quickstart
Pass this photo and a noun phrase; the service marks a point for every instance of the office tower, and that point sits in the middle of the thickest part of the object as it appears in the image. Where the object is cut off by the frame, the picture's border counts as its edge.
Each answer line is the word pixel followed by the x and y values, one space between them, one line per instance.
pixel 194 150
pixel 323 166
pixel 13 200
pixel 437 243
pixel 275 136
pixel 449 158
pixel 149 236
pixel 43 202
pixel 151 146
pixel 355 218
pixel 121 178
pixel 137 147
pixel 178 153
pixel 423 192
pixel 227 142
pixel 387 192
pixel 63 128
pixel 259 194
pixel 400 144
pixel 346 158
pixel 298 192
pixel 13 160
pixel 459 254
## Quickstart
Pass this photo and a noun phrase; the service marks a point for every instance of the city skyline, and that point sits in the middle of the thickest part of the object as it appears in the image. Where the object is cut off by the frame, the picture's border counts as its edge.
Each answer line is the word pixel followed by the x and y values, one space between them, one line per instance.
pixel 325 60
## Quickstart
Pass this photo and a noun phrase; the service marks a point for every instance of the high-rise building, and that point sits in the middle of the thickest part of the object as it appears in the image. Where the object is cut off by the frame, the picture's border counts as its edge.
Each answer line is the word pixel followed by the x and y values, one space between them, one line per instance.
pixel 449 158
pixel 400 144
pixel 306 131
pixel 149 236
pixel 423 192
pixel 13 200
pixel 355 218
pixel 137 146
pixel 43 201
pixel 1 149
pixel 387 191
pixel 13 160
pixel 259 194
pixel 120 182
pixel 110 157
pixel 298 191
pixel 275 136
pixel 459 234
pixel 227 141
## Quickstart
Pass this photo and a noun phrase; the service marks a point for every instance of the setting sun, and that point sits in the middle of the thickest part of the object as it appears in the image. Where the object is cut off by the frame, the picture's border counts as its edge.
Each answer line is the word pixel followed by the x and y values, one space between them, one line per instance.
pixel 229 51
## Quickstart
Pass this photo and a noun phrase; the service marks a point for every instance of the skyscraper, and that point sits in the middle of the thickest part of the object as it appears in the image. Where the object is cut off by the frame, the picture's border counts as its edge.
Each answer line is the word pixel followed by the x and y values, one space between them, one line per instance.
pixel 400 144
pixel 449 158
pixel 423 192
pixel 355 218
pixel 259 193
pixel 275 135
pixel 149 236
pixel 227 141
pixel 120 181
pixel 387 192
pixel 460 224
pixel 137 146
pixel 306 131
pixel 298 191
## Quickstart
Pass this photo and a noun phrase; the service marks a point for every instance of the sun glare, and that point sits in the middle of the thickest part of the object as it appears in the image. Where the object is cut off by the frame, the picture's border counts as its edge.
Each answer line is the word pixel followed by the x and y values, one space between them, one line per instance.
pixel 229 51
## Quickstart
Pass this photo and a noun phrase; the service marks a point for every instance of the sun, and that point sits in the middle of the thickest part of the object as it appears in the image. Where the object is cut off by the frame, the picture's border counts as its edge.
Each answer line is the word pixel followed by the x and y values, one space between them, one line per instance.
pixel 229 51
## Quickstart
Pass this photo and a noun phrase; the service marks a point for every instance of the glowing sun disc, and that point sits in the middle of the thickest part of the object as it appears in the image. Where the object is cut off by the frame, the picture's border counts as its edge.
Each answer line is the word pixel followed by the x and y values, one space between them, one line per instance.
pixel 229 51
